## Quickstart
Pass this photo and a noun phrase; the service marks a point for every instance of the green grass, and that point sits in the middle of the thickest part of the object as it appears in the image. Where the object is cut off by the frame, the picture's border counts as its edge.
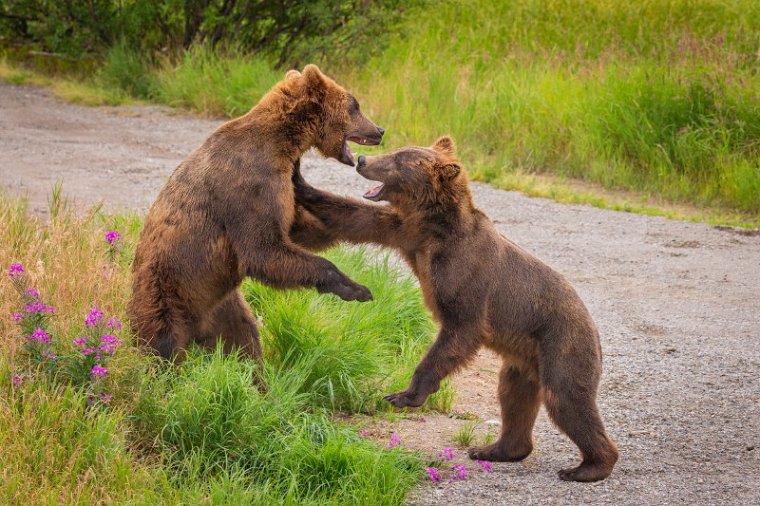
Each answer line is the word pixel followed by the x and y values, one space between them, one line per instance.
pixel 659 97
pixel 203 433
pixel 353 352
pixel 466 434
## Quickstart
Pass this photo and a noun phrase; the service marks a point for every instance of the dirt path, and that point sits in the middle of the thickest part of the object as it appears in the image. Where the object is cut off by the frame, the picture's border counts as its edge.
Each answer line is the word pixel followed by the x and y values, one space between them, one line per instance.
pixel 677 304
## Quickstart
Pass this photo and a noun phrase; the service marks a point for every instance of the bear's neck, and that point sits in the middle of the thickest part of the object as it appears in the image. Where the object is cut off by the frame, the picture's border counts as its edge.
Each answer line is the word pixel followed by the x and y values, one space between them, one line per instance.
pixel 288 124
pixel 443 218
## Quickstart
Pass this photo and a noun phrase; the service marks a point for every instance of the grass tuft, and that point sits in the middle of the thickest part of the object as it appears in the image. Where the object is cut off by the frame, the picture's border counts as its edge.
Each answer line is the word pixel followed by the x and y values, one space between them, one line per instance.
pixel 466 433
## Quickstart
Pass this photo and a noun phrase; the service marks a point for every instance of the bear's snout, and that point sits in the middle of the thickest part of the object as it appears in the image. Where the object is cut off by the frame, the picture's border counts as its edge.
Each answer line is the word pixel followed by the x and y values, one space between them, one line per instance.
pixel 362 161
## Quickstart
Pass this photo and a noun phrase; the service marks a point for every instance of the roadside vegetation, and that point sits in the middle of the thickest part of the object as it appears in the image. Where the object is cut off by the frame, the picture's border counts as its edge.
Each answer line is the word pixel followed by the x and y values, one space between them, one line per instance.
pixel 86 417
pixel 657 98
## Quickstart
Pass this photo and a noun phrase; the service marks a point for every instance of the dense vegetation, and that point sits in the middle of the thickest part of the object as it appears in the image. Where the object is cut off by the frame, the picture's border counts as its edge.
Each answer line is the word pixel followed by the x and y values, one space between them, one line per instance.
pixel 658 96
pixel 286 30
pixel 131 429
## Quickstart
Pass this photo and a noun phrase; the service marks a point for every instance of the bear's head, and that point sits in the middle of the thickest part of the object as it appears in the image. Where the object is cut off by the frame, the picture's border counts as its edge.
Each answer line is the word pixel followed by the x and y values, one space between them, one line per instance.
pixel 334 112
pixel 417 177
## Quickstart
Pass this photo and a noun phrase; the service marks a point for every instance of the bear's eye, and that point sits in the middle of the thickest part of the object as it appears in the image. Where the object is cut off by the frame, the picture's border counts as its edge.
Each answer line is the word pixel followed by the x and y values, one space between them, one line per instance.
pixel 353 105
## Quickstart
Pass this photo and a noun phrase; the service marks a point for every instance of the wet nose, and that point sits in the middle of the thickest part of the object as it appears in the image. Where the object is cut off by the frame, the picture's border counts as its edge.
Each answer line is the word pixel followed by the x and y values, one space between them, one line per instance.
pixel 381 130
pixel 362 160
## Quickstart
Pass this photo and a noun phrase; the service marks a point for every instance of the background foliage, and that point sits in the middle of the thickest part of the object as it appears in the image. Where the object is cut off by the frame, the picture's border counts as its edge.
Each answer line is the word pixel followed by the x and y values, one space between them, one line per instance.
pixel 286 30
pixel 658 96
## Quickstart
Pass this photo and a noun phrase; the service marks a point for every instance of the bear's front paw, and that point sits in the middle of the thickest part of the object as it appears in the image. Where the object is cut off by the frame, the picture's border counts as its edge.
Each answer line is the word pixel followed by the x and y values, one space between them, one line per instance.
pixel 353 291
pixel 406 399
pixel 346 290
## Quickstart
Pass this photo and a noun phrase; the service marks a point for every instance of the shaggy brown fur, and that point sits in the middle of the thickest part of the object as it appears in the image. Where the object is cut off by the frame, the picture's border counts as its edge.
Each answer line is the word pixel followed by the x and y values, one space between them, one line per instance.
pixel 484 290
pixel 227 212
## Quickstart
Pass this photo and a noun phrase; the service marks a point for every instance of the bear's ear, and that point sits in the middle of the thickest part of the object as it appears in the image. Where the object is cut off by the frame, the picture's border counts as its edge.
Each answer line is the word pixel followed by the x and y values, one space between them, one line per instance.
pixel 449 170
pixel 292 74
pixel 445 145
pixel 314 76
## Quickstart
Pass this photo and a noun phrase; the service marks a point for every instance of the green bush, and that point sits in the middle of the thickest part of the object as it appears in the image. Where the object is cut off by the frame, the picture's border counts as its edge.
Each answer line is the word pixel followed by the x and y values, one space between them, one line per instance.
pixel 125 70
pixel 203 81
pixel 286 31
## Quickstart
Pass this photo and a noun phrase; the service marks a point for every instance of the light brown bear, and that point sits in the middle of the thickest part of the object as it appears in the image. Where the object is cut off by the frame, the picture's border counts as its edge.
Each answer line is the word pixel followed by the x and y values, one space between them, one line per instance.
pixel 484 290
pixel 227 213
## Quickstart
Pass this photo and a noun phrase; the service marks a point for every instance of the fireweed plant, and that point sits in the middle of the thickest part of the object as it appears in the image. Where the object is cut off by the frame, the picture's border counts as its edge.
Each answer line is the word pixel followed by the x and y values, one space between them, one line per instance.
pixel 85 367
pixel 33 318
pixel 458 472
pixel 95 348
pixel 113 238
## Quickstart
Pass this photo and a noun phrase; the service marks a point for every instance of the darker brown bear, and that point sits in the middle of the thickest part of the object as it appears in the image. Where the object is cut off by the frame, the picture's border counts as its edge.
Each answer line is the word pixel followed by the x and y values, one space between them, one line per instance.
pixel 484 290
pixel 227 212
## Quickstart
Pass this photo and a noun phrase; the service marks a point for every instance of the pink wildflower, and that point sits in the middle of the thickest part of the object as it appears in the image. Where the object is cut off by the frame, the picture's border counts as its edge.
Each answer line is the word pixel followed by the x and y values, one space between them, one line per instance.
pixel 108 344
pixel 16 317
pixel 114 323
pixel 15 270
pixel 460 472
pixel 363 432
pixel 93 317
pixel 17 380
pixel 80 341
pixel 433 474
pixel 104 398
pixel 112 236
pixel 39 336
pixel 39 307
pixel 447 454
pixel 486 466
pixel 98 371
pixel 31 292
pixel 88 351
pixel 109 339
pixel 394 441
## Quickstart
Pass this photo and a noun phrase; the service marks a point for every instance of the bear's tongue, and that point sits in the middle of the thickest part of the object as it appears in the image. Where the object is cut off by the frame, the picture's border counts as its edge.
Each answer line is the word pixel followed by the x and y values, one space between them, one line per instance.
pixel 374 192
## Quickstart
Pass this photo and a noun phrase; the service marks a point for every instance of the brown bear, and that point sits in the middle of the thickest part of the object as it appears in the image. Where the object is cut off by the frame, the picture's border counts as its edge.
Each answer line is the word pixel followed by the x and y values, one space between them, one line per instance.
pixel 227 213
pixel 484 290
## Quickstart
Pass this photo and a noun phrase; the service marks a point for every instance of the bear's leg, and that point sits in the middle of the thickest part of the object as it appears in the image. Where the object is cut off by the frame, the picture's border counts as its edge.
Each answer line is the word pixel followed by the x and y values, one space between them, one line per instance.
pixel 452 350
pixel 232 321
pixel 308 231
pixel 288 266
pixel 569 394
pixel 519 395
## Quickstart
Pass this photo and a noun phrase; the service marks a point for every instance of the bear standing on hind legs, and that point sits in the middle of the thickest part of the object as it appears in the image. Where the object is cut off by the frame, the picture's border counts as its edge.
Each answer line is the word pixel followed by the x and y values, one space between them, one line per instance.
pixel 227 213
pixel 483 290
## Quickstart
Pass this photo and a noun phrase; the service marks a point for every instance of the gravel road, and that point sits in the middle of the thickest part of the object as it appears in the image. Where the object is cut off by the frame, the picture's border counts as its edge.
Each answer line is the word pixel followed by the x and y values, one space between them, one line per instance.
pixel 677 304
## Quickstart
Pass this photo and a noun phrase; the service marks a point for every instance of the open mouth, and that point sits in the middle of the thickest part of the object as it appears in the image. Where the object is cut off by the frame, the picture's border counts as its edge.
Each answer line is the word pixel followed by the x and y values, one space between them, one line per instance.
pixel 346 156
pixel 374 193
pixel 364 141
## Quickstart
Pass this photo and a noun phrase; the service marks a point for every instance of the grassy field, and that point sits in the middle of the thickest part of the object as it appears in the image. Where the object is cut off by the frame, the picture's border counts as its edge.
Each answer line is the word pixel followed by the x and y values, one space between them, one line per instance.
pixel 143 433
pixel 657 96
pixel 661 98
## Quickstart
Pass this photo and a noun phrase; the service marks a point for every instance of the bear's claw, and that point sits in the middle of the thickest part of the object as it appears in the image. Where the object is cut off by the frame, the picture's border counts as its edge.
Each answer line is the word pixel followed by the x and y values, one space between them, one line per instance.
pixel 405 399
